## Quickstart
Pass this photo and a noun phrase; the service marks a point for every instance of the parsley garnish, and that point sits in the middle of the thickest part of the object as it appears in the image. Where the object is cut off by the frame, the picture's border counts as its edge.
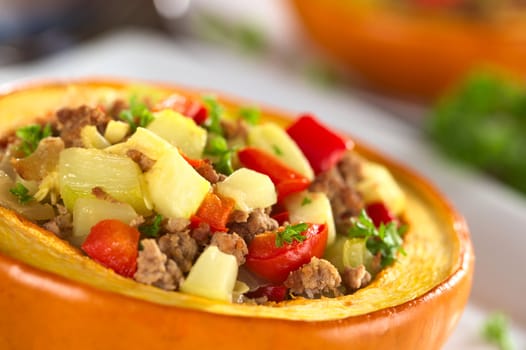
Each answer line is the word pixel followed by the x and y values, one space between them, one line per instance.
pixel 496 331
pixel 385 239
pixel 305 201
pixel 277 150
pixel 137 114
pixel 217 145
pixel 215 112
pixel 21 193
pixel 250 114
pixel 291 233
pixel 482 124
pixel 152 230
pixel 31 136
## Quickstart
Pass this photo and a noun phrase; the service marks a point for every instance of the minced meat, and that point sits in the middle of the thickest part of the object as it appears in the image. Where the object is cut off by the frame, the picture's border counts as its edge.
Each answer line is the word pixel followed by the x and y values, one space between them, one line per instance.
pixel 181 248
pixel 231 243
pixel 72 120
pixel 258 221
pixel 314 279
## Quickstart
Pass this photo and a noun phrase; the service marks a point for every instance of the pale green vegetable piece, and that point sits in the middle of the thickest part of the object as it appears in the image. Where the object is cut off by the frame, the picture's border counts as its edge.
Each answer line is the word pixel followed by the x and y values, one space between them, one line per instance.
pixel 180 131
pixel 275 140
pixel 91 137
pixel 213 275
pixel 348 252
pixel 379 185
pixel 82 169
pixel 311 207
pixel 145 141
pixel 116 131
pixel 175 188
pixel 249 189
pixel 89 211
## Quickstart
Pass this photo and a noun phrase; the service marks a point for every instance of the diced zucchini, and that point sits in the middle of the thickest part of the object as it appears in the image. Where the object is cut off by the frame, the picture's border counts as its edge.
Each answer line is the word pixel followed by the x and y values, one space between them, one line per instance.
pixel 274 140
pixel 116 131
pixel 249 189
pixel 213 275
pixel 348 252
pixel 378 185
pixel 175 188
pixel 180 131
pixel 89 211
pixel 150 144
pixel 91 138
pixel 311 207
pixel 82 169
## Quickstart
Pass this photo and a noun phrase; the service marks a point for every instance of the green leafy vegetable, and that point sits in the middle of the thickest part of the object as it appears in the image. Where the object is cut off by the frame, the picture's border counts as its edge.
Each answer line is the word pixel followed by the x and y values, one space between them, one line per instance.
pixel 291 233
pixel 277 150
pixel 137 114
pixel 217 146
pixel 215 113
pixel 385 239
pixel 483 124
pixel 251 115
pixel 496 331
pixel 21 193
pixel 152 230
pixel 31 135
pixel 305 201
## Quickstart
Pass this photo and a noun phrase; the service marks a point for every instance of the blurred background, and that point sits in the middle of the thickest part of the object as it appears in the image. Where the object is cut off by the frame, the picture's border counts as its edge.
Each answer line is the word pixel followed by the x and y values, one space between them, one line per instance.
pixel 436 84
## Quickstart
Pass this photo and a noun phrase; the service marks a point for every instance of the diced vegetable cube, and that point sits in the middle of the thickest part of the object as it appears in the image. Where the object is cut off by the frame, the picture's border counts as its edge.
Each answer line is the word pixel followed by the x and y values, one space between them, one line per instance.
pixel 274 140
pixel 175 188
pixel 91 138
pixel 149 143
pixel 311 207
pixel 116 131
pixel 213 275
pixel 82 169
pixel 89 211
pixel 348 252
pixel 249 189
pixel 180 131
pixel 379 185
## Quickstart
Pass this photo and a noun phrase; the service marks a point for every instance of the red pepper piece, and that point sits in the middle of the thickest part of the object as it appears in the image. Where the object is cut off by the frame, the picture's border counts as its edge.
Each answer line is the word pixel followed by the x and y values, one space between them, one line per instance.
pixel 379 213
pixel 281 217
pixel 275 293
pixel 113 244
pixel 214 211
pixel 195 163
pixel 186 106
pixel 321 146
pixel 275 263
pixel 286 179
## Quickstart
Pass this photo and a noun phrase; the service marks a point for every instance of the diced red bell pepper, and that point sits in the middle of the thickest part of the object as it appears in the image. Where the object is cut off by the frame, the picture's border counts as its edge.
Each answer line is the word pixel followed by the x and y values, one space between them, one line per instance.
pixel 281 217
pixel 113 244
pixel 186 106
pixel 195 163
pixel 274 263
pixel 275 293
pixel 379 213
pixel 214 211
pixel 321 146
pixel 286 179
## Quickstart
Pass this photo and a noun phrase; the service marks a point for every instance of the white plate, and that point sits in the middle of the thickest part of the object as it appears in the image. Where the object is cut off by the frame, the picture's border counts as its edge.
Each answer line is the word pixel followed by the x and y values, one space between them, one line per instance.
pixel 495 214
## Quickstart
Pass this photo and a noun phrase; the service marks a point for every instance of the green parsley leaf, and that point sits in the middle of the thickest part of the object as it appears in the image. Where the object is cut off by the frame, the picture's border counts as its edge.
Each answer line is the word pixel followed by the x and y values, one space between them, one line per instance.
pixel 277 150
pixel 251 115
pixel 496 331
pixel 217 147
pixel 386 239
pixel 291 233
pixel 31 135
pixel 482 124
pixel 152 230
pixel 137 114
pixel 305 201
pixel 21 193
pixel 215 113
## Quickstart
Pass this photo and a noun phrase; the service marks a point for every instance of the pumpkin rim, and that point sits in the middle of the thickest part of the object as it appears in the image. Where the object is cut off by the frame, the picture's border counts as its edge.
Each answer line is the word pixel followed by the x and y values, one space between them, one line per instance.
pixel 461 267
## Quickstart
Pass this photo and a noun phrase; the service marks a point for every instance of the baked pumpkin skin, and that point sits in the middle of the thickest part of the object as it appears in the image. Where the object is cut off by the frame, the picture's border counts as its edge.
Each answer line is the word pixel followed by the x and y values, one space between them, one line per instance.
pixel 52 297
pixel 415 56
